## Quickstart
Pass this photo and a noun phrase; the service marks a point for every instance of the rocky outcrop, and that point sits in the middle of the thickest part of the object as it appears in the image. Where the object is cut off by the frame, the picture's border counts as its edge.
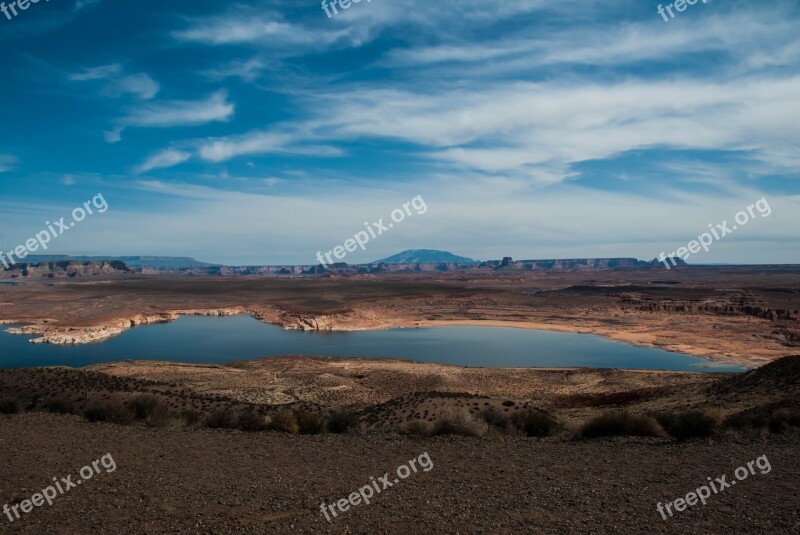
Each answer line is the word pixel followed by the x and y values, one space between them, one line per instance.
pixel 574 263
pixel 729 308
pixel 66 269
pixel 53 334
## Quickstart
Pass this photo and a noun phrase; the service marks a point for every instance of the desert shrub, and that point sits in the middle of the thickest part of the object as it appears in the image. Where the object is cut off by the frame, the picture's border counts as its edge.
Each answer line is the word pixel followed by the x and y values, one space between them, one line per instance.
pixel 9 406
pixel 59 406
pixel 249 420
pixel 508 403
pixel 114 412
pixel 621 424
pixel 143 406
pixel 150 409
pixel 310 423
pixel 223 419
pixel 688 424
pixel 190 417
pixel 342 421
pixel 495 419
pixel 459 422
pixel 745 420
pixel 284 421
pixel 534 423
pixel 783 419
pixel 418 428
pixel 774 417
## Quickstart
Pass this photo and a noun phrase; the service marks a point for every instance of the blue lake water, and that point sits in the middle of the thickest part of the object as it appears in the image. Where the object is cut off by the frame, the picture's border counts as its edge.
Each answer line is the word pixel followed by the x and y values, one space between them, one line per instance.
pixel 220 340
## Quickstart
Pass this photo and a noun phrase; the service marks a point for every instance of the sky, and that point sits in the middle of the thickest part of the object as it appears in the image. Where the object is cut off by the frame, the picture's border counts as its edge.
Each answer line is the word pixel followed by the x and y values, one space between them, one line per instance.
pixel 263 132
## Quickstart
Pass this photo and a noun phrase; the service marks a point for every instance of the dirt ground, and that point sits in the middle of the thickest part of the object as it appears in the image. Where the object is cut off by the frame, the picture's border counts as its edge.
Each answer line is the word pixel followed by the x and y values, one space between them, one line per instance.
pixel 224 482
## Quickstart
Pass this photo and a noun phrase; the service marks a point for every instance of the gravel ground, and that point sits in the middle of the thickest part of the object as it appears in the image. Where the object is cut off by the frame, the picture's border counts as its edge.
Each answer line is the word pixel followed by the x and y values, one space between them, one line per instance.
pixel 172 480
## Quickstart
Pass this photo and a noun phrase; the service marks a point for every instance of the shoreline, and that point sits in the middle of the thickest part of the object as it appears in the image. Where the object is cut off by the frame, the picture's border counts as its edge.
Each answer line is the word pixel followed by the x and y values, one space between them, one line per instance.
pixel 75 335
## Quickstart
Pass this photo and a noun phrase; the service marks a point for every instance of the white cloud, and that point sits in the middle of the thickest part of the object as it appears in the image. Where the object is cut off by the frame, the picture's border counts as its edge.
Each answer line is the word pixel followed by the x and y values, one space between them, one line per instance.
pixel 217 150
pixel 163 159
pixel 256 29
pixel 140 85
pixel 102 72
pixel 172 113
pixel 248 70
pixel 7 162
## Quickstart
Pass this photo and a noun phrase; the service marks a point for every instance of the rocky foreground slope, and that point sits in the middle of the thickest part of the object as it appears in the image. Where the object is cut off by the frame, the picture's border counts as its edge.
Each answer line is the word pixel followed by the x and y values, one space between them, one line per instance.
pixel 199 481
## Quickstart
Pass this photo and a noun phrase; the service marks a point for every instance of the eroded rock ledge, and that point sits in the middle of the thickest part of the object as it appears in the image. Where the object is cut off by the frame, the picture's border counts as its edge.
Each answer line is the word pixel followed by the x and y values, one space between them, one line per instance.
pixel 54 334
pixel 49 333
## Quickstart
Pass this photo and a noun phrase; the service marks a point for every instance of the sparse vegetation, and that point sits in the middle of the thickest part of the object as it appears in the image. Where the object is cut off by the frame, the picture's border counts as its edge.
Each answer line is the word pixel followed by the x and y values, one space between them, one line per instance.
pixel 111 411
pixel 418 428
pixel 621 424
pixel 284 421
pixel 310 423
pixel 151 410
pixel 495 419
pixel 459 422
pixel 782 420
pixel 689 424
pixel 59 406
pixel 226 418
pixel 342 421
pixel 190 417
pixel 534 423
pixel 9 406
pixel 250 421
pixel 772 418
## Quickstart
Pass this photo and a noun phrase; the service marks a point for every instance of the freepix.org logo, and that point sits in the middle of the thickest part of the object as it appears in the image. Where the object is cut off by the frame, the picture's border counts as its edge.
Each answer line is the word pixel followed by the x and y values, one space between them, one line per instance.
pixel 11 9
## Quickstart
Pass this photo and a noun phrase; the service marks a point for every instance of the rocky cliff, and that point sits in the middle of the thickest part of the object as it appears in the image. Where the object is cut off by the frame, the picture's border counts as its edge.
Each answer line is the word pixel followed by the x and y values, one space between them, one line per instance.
pixel 64 269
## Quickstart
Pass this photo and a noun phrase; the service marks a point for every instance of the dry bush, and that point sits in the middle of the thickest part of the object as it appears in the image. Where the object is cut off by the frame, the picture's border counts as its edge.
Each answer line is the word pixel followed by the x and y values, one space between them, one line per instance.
pixel 60 406
pixel 190 417
pixel 782 420
pixel 686 425
pixel 251 421
pixel 10 406
pixel 310 423
pixel 496 419
pixel 459 422
pixel 774 417
pixel 534 423
pixel 151 410
pixel 418 428
pixel 621 424
pixel 342 421
pixel 222 419
pixel 284 421
pixel 114 412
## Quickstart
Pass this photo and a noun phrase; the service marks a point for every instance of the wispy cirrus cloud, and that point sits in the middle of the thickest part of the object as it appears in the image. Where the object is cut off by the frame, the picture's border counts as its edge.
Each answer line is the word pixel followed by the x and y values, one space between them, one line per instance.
pixel 116 83
pixel 7 162
pixel 174 113
pixel 258 142
pixel 163 159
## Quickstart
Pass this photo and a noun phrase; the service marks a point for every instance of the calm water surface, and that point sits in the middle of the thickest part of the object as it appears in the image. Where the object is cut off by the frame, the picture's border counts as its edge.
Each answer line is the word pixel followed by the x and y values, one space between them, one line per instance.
pixel 220 340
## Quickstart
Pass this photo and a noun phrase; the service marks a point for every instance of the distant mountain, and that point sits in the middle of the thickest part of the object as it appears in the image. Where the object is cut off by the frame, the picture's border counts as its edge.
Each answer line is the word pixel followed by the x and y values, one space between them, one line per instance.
pixel 425 256
pixel 136 262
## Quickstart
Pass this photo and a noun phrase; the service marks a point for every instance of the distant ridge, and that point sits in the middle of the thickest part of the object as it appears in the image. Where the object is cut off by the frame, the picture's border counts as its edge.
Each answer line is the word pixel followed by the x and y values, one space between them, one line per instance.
pixel 425 256
pixel 137 262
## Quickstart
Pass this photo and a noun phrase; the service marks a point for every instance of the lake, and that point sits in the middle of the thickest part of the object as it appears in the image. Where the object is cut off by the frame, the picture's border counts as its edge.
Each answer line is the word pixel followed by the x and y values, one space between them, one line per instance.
pixel 220 340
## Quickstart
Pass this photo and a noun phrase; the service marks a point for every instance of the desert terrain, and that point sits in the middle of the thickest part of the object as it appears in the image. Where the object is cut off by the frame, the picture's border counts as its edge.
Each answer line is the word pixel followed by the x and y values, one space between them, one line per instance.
pixel 182 477
pixel 745 315
pixel 257 446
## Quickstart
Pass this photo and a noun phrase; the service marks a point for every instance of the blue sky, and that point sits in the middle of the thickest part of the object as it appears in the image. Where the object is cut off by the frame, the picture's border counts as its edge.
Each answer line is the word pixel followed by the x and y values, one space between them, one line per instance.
pixel 262 132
